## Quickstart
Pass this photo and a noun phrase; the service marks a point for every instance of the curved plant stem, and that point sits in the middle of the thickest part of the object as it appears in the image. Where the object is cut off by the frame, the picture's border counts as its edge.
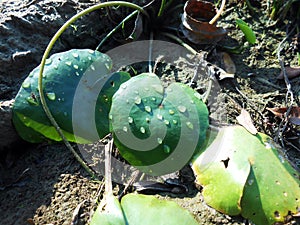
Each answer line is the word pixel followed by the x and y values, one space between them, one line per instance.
pixel 216 17
pixel 45 56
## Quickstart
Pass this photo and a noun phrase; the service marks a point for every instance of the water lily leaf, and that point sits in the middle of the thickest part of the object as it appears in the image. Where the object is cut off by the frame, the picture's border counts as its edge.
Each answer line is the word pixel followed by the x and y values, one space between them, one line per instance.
pixel 239 178
pixel 143 209
pixel 62 79
pixel 196 26
pixel 151 123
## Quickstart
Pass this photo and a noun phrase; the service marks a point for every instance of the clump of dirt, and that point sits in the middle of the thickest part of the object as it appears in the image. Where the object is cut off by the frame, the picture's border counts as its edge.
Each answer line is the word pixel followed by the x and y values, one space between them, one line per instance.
pixel 43 184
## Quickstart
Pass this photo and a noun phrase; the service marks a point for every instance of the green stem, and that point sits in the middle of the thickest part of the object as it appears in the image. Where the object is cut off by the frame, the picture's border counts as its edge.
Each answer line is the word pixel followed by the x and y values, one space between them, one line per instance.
pixel 162 7
pixel 189 48
pixel 46 54
pixel 116 28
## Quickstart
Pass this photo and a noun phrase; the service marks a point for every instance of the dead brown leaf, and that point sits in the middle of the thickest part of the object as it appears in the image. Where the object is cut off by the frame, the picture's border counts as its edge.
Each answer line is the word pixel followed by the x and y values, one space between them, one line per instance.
pixel 291 72
pixel 245 120
pixel 196 26
pixel 229 65
pixel 293 117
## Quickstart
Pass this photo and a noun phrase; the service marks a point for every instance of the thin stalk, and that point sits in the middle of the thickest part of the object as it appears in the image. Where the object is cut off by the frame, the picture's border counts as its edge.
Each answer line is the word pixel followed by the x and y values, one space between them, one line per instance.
pixel 116 28
pixel 188 47
pixel 219 12
pixel 45 56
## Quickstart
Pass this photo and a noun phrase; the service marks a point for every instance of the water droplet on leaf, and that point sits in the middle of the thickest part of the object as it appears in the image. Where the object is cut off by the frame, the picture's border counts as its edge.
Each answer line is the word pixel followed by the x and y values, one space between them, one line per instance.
pixel 171 112
pixel 75 67
pixel 75 55
pixel 68 63
pixel 26 84
pixel 167 122
pixel 51 96
pixel 167 149
pixel 181 108
pixel 148 108
pixel 130 119
pixel 159 116
pixel 137 100
pixel 32 101
pixel 142 129
pixel 159 141
pixel 190 125
pixel 125 129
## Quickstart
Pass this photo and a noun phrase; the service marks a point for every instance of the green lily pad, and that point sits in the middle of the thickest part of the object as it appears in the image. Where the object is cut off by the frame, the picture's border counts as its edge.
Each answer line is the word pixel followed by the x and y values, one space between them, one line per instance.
pixel 244 174
pixel 152 124
pixel 143 209
pixel 63 74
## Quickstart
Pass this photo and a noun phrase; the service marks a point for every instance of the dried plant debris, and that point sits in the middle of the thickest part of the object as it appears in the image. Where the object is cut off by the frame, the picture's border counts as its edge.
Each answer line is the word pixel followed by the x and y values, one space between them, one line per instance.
pixel 196 23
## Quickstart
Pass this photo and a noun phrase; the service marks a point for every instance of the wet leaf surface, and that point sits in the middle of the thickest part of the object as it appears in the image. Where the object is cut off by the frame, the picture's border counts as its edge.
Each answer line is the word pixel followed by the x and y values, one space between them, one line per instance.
pixel 237 174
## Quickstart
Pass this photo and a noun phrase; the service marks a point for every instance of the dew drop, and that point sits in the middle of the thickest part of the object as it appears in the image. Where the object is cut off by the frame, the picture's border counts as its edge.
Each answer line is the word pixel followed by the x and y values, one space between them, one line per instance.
pixel 159 116
pixel 90 58
pixel 55 67
pixel 77 74
pixel 26 84
pixel 107 66
pixel 75 55
pixel 175 122
pixel 147 119
pixel 190 125
pixel 124 86
pixel 192 102
pixel 171 112
pixel 167 122
pixel 142 129
pixel 285 194
pixel 137 100
pixel 136 92
pixel 76 67
pixel 125 129
pixel 159 141
pixel 130 119
pixel 181 108
pixel 68 63
pixel 93 68
pixel 250 182
pixel 110 117
pixel 51 96
pixel 91 51
pixel 153 99
pixel 167 149
pixel 48 61
pixel 148 108
pixel 31 101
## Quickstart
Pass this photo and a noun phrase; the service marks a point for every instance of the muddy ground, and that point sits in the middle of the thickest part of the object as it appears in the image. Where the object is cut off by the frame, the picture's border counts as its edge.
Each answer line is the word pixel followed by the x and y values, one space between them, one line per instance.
pixel 43 184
